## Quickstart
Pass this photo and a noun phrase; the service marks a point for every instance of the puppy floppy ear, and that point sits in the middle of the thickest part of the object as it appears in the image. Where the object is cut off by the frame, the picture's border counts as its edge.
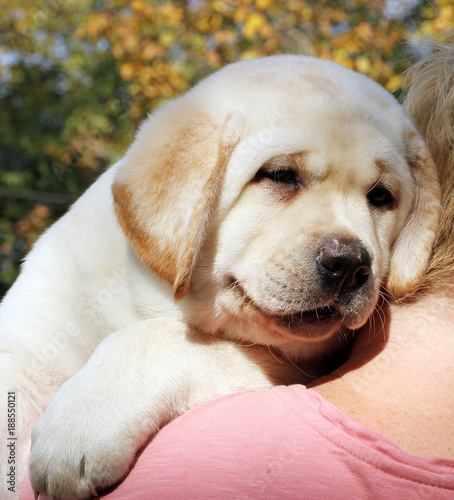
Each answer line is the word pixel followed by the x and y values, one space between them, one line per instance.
pixel 413 248
pixel 168 186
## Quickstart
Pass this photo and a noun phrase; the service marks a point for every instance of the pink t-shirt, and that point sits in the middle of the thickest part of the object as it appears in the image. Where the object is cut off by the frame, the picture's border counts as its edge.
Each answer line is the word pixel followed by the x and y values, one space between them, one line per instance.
pixel 285 443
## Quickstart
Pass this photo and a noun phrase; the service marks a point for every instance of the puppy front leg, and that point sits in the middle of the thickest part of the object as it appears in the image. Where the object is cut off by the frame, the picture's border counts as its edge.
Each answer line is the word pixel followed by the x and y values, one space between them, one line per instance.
pixel 138 379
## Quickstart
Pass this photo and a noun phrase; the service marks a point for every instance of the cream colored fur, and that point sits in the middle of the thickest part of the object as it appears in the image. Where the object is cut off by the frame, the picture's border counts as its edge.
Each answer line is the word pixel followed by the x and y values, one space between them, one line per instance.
pixel 185 273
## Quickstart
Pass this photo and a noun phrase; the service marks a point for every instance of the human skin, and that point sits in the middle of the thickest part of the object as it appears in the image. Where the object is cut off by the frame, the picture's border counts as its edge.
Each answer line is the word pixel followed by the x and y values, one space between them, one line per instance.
pixel 399 378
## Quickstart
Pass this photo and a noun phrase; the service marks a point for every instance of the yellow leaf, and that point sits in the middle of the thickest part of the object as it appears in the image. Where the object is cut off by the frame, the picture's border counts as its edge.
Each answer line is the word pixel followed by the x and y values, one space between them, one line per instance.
pixel 131 42
pixel 263 4
pixel 173 15
pixel 446 17
pixel 96 23
pixel 127 71
pixel 138 5
pixel 239 15
pixel 325 53
pixel 394 83
pixel 167 38
pixel 203 25
pixel 364 31
pixel 134 111
pixel 251 54
pixel 215 22
pixel 141 7
pixel 150 51
pixel 118 51
pixel 254 23
pixel 213 58
pixel 346 62
pixel 225 36
pixel 362 64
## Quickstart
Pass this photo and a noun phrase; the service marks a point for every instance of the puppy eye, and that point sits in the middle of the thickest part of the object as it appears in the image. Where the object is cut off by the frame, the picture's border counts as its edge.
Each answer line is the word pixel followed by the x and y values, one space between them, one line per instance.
pixel 281 176
pixel 380 197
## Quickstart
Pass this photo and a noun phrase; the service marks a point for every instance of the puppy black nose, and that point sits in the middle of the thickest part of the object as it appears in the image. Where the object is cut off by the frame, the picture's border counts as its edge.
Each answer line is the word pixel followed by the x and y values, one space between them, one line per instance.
pixel 344 264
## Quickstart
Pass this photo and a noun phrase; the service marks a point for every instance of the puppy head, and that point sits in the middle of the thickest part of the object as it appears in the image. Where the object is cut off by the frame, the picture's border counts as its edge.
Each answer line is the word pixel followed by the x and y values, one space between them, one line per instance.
pixel 287 191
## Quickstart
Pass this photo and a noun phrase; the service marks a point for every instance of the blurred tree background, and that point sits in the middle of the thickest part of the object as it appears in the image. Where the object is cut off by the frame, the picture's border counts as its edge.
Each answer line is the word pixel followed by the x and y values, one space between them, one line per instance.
pixel 78 76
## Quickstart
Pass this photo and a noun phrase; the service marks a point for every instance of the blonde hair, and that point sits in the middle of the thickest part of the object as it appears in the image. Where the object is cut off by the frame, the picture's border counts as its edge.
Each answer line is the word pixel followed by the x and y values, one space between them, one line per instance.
pixel 430 103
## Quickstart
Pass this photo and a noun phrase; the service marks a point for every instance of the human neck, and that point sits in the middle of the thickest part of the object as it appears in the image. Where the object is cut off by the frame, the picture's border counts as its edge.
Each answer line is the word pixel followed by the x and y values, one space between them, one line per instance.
pixel 399 379
pixel 423 328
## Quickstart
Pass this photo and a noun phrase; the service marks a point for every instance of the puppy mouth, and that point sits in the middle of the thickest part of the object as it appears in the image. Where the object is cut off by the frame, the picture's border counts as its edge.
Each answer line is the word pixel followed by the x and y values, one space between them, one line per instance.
pixel 314 323
pixel 300 319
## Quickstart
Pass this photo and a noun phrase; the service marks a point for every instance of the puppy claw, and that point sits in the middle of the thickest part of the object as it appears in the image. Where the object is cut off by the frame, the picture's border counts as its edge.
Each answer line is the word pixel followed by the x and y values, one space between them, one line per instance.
pixel 36 495
pixel 93 491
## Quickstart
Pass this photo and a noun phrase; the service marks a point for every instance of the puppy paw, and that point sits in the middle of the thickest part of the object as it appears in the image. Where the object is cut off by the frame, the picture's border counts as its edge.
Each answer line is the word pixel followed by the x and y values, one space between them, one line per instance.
pixel 81 447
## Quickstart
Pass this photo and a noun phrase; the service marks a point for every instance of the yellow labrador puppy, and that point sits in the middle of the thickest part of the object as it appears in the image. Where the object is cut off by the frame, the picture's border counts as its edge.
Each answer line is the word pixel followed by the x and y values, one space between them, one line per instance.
pixel 251 224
